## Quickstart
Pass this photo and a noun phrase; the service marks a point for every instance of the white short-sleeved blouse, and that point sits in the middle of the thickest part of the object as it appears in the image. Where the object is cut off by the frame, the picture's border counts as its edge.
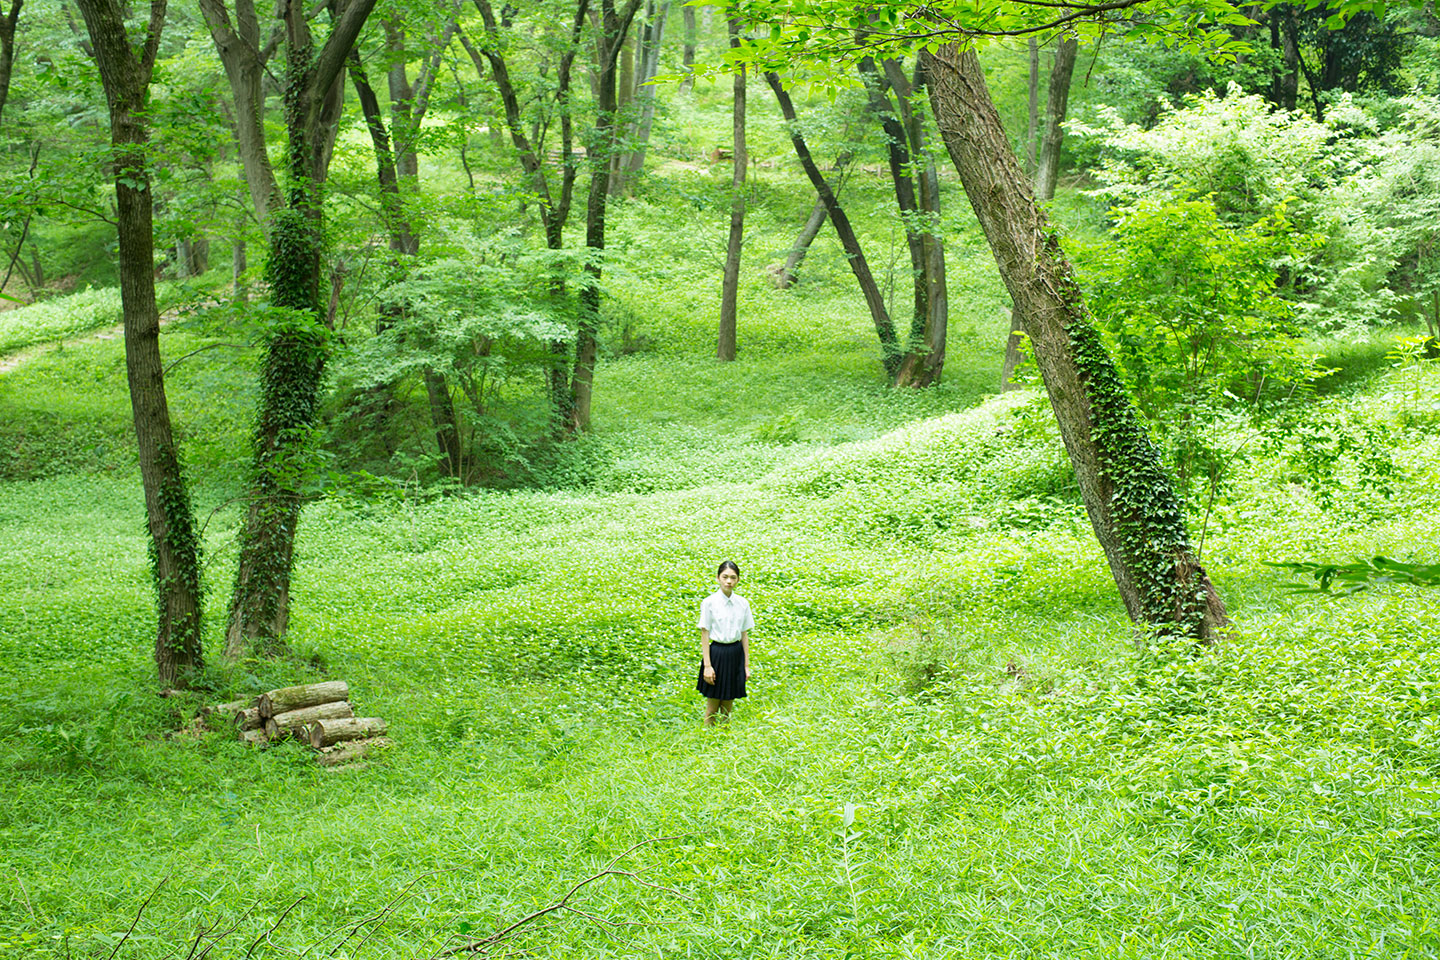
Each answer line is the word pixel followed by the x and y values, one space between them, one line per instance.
pixel 725 617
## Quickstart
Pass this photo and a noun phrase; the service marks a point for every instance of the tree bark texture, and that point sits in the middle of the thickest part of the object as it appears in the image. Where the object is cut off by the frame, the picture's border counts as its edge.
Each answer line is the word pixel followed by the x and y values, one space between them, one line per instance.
pixel 1056 104
pixel 174 538
pixel 294 361
pixel 249 718
pixel 730 283
pixel 294 723
pixel 1127 493
pixel 884 327
pixel 325 733
pixel 300 697
pixel 8 21
pixel 610 35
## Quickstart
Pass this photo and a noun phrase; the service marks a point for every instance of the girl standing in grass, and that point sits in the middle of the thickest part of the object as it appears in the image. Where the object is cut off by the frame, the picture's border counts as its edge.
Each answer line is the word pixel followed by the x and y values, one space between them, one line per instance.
pixel 725 625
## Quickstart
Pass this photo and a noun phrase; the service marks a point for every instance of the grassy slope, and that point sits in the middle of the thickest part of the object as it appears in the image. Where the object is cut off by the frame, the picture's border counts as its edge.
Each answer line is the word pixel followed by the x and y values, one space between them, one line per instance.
pixel 939 645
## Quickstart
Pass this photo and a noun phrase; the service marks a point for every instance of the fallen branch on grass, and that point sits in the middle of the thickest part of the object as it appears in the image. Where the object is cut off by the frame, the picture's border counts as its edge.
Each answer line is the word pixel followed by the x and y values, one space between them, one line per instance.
pixel 483 946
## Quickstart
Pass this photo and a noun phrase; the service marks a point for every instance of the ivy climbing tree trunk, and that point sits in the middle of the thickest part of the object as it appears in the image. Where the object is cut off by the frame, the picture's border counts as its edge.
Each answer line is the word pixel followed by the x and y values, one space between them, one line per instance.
pixel 1128 494
pixel 174 541
pixel 611 27
pixel 884 327
pixel 730 283
pixel 295 351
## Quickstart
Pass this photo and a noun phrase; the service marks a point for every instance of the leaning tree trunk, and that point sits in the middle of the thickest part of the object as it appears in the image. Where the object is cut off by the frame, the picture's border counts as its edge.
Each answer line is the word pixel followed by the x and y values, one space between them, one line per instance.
pixel 884 326
pixel 1127 493
pixel 174 540
pixel 730 285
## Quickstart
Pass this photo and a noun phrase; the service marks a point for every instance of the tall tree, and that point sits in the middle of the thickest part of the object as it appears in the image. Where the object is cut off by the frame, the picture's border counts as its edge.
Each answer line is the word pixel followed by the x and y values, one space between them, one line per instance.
pixel 1047 169
pixel 612 24
pixel 730 283
pixel 296 348
pixel 1129 496
pixel 554 203
pixel 397 169
pixel 917 193
pixel 174 540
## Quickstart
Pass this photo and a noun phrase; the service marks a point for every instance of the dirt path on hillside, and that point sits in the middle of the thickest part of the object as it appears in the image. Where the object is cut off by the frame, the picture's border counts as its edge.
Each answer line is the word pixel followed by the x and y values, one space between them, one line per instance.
pixel 10 361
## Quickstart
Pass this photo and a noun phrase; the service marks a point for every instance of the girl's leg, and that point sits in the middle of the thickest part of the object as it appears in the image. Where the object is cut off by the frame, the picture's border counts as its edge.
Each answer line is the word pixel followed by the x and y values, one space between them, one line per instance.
pixel 711 705
pixel 725 707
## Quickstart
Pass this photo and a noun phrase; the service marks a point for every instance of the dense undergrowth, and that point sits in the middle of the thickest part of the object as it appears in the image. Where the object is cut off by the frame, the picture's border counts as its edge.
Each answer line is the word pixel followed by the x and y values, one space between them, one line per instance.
pixel 952 748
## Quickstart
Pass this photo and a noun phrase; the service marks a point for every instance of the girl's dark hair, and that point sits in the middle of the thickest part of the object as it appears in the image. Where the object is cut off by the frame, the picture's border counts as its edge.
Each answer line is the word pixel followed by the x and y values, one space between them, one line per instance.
pixel 731 565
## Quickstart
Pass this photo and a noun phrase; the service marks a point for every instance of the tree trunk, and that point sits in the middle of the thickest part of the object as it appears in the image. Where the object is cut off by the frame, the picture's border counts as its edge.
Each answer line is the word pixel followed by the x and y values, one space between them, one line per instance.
pixel 294 362
pixel 1014 355
pixel 687 56
pixel 553 215
pixel 730 285
pixel 351 750
pixel 809 230
pixel 884 327
pixel 1032 125
pixel 787 274
pixel 300 697
pixel 293 723
pixel 1049 166
pixel 249 719
pixel 174 539
pixel 325 733
pixel 238 45
pixel 1127 493
pixel 925 354
pixel 7 50
pixel 639 140
pixel 613 26
pixel 396 158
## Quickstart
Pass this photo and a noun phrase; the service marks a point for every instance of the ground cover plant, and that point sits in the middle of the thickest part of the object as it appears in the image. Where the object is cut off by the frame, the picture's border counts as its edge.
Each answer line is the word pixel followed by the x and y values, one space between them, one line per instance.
pixel 956 745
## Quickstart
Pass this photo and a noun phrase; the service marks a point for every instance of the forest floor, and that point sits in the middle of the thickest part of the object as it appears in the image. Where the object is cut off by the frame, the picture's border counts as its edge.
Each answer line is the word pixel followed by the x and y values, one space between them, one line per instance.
pixel 952 747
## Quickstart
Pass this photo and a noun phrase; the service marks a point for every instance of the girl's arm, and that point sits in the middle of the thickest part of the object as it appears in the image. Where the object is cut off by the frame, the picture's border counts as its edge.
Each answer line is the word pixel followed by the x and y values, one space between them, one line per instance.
pixel 705 654
pixel 745 645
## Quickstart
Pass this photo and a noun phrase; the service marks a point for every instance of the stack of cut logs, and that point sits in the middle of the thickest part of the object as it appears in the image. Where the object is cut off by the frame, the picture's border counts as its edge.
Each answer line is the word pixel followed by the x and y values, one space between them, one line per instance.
pixel 315 713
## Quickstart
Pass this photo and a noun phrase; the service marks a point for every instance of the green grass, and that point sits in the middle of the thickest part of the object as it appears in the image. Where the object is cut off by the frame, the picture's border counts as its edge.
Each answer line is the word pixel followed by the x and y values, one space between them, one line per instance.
pixel 1024 783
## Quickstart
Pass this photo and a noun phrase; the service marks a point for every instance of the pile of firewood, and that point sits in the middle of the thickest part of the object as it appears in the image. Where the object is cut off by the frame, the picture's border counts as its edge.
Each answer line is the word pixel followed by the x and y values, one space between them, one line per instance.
pixel 315 713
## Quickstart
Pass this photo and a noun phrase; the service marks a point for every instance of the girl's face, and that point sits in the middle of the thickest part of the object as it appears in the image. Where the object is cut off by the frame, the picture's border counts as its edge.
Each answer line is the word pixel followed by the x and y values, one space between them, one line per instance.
pixel 728 578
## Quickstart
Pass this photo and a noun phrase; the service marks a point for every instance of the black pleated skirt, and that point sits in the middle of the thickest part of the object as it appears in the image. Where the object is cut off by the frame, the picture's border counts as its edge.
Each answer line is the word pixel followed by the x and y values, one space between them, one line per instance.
pixel 728 659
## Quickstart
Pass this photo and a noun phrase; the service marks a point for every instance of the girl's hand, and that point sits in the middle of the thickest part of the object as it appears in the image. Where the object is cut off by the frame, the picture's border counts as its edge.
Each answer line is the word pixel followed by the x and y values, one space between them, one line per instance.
pixel 709 674
pixel 747 671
